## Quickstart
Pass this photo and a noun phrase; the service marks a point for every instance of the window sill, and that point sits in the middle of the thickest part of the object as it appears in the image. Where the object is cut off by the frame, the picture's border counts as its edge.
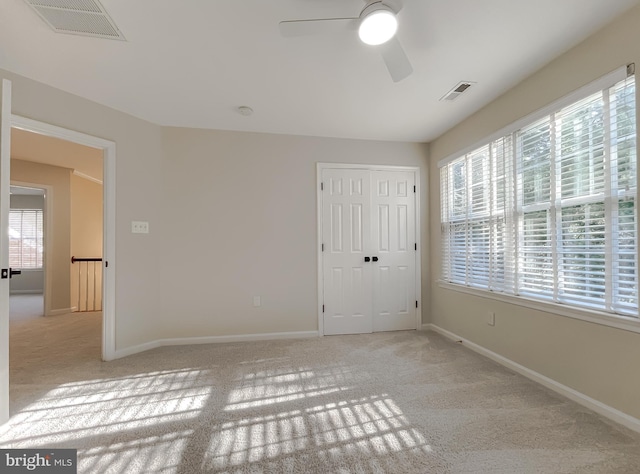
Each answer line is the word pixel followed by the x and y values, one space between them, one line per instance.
pixel 597 317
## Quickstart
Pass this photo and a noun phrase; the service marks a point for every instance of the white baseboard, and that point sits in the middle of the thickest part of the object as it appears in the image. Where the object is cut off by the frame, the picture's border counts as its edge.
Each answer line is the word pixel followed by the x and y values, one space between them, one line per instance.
pixel 578 397
pixel 58 312
pixel 181 341
pixel 131 350
pixel 184 341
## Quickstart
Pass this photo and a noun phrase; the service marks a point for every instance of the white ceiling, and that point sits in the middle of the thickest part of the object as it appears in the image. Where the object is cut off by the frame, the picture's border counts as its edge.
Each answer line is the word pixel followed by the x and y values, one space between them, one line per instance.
pixel 190 63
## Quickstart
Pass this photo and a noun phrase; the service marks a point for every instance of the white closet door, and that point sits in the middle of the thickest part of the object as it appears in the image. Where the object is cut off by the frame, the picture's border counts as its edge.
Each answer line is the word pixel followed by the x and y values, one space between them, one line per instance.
pixel 346 233
pixel 393 243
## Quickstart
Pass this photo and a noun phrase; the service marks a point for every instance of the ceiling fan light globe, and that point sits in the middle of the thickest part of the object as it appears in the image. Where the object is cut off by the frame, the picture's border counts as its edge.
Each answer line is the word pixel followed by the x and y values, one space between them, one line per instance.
pixel 378 27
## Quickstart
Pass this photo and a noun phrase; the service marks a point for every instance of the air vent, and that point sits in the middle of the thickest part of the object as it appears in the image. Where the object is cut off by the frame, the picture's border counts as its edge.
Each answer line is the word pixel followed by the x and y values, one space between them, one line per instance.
pixel 77 17
pixel 457 90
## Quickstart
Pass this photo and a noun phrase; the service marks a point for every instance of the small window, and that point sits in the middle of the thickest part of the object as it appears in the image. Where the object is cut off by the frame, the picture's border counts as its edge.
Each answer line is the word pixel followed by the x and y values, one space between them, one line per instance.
pixel 25 238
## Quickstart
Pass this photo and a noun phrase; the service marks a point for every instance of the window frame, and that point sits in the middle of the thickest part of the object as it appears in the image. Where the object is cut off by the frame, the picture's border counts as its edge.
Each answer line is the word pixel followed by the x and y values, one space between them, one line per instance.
pixel 565 308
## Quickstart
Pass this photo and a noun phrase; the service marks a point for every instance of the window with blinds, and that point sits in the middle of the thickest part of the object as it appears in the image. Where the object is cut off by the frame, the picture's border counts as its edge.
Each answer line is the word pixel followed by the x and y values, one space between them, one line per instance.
pixel 25 238
pixel 548 210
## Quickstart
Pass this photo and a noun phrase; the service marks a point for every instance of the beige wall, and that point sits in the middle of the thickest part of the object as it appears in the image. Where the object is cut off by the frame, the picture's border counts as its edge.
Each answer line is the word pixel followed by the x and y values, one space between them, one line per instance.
pixel 240 220
pixel 174 282
pixel 29 281
pixel 26 201
pixel 598 361
pixel 58 238
pixel 139 196
pixel 86 242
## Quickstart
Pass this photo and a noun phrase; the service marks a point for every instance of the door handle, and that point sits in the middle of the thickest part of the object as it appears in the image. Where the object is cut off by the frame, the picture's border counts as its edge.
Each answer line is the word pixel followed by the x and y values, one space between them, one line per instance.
pixel 375 259
pixel 367 259
pixel 9 272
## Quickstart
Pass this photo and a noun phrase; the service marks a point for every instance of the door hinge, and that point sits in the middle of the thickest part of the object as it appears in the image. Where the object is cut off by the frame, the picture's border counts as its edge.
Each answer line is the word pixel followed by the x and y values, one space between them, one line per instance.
pixel 414 188
pixel 321 186
pixel 416 246
pixel 416 303
pixel 323 247
pixel 323 308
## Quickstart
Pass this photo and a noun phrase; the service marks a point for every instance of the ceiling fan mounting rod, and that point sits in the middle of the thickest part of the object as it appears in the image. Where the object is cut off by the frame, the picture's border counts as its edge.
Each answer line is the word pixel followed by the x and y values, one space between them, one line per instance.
pixel 374 5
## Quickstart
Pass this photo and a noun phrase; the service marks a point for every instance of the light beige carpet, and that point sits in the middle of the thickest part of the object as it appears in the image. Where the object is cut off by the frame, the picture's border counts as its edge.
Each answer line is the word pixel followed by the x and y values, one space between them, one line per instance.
pixel 406 402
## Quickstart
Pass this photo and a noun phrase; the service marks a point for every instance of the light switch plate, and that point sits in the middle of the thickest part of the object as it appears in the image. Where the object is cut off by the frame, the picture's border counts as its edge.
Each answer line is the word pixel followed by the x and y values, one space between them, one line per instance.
pixel 139 227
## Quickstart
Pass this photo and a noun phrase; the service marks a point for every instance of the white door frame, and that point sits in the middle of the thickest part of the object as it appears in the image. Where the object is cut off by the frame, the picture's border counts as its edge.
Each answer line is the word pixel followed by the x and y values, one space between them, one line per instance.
pixel 5 162
pixel 322 166
pixel 108 148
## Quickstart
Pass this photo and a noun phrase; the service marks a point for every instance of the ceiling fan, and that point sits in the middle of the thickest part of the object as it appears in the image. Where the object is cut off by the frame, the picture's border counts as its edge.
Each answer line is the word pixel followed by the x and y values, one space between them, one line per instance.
pixel 377 25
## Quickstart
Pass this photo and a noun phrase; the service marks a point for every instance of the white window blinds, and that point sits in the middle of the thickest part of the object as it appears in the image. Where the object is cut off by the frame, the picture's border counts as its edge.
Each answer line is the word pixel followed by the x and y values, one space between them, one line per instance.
pixel 25 238
pixel 548 211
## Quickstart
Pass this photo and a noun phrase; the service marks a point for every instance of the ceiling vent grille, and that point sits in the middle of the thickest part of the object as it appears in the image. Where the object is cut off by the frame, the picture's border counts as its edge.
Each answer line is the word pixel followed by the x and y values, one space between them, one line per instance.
pixel 457 90
pixel 77 17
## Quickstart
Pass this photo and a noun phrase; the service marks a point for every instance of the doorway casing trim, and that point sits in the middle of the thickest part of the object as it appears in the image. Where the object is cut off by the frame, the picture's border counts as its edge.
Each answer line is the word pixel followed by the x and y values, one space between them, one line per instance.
pixel 322 166
pixel 108 148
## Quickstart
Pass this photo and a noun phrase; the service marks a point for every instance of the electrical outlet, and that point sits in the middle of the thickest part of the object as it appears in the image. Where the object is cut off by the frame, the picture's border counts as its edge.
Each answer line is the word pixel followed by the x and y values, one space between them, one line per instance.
pixel 491 318
pixel 139 227
pixel 256 301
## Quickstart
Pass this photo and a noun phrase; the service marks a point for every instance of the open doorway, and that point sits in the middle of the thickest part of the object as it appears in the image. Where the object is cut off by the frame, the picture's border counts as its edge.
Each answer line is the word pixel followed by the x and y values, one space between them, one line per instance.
pixel 107 149
pixel 79 215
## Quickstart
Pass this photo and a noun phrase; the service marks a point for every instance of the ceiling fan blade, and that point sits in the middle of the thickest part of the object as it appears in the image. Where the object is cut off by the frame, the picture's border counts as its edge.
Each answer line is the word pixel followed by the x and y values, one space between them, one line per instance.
pixel 396 59
pixel 311 27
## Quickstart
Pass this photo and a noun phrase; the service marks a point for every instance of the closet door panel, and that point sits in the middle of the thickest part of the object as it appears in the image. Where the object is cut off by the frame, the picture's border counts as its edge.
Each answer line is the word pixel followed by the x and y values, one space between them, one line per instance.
pixel 393 243
pixel 346 234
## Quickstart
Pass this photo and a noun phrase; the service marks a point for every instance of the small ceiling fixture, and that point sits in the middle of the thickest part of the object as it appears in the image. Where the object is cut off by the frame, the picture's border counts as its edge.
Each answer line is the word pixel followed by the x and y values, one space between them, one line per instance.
pixel 378 24
pixel 244 110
